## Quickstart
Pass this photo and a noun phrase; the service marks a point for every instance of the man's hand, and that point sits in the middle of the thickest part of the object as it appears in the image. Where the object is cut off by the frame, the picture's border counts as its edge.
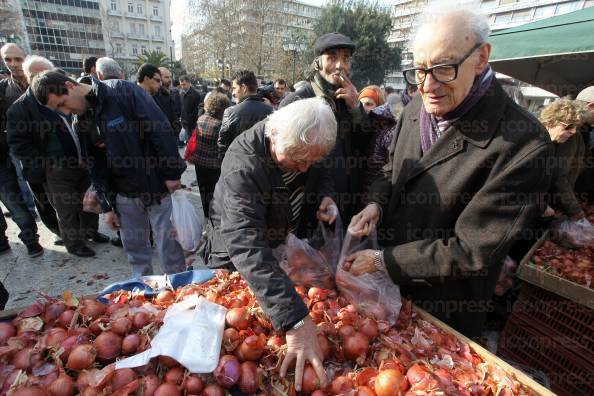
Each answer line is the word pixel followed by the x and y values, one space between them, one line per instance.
pixel 327 211
pixel 360 263
pixel 365 221
pixel 348 92
pixel 173 185
pixel 112 220
pixel 302 345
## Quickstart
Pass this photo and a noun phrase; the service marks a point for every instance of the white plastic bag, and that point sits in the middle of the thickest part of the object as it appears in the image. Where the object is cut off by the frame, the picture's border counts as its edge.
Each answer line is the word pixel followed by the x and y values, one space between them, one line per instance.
pixel 192 334
pixel 185 221
pixel 573 233
pixel 374 294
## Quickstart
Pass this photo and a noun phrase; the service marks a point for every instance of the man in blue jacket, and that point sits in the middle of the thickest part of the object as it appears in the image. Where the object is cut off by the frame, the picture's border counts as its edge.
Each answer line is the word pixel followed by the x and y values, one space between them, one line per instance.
pixel 142 166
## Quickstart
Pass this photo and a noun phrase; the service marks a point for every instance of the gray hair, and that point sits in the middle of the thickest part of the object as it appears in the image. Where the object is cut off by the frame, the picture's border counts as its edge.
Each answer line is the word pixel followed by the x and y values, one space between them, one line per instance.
pixel 31 60
pixel 109 68
pixel 303 124
pixel 466 12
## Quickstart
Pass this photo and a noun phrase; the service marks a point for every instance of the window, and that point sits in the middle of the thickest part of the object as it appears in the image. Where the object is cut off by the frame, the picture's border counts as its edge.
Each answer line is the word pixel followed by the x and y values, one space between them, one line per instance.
pixel 134 50
pixel 158 49
pixel 115 25
pixel 544 12
pixel 503 2
pixel 133 28
pixel 488 3
pixel 114 6
pixel 143 49
pixel 503 18
pixel 155 10
pixel 118 48
pixel 568 7
pixel 157 31
pixel 139 8
pixel 520 16
pixel 141 28
pixel 130 7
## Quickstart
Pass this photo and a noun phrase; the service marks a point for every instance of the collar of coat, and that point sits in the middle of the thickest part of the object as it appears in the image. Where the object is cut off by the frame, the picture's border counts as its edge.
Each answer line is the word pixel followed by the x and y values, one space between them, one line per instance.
pixel 480 123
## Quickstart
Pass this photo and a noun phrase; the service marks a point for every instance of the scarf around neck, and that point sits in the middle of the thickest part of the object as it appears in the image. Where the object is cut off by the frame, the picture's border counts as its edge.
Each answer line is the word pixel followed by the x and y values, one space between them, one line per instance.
pixel 432 127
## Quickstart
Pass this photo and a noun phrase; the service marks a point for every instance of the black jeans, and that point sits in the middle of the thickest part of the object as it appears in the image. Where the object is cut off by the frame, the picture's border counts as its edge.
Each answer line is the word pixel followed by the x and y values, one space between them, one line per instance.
pixel 46 211
pixel 12 197
pixel 207 179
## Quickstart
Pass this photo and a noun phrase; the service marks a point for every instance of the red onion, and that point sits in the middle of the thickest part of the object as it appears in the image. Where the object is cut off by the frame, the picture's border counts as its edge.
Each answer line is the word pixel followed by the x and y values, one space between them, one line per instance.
pixel 365 391
pixel 113 308
pixel 98 325
pixel 69 343
pixel 7 330
pixel 52 312
pixel 92 308
pixel 121 326
pixel 108 346
pixel 345 331
pixel 62 386
pixel 168 361
pixel 193 385
pixel 168 389
pixel 140 320
pixel 227 372
pixel 341 385
pixel 122 377
pixel 251 348
pixel 355 345
pixel 81 357
pixel 238 318
pixel 26 358
pixel 231 339
pixel 213 390
pixel 130 344
pixel 310 381
pixel 65 318
pixel 150 384
pixel 175 375
pixel 369 328
pixel 30 391
pixel 55 337
pixel 390 382
pixel 249 380
pixel 165 297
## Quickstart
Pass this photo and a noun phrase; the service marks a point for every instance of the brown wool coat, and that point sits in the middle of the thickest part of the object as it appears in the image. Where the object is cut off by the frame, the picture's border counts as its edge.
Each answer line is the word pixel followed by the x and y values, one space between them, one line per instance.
pixel 451 216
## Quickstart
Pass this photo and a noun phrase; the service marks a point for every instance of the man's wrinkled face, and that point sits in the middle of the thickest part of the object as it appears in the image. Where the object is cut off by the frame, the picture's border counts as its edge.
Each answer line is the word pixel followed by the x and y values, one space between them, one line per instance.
pixel 185 85
pixel 14 57
pixel 280 89
pixel 73 103
pixel 165 78
pixel 296 161
pixel 335 63
pixel 153 84
pixel 445 43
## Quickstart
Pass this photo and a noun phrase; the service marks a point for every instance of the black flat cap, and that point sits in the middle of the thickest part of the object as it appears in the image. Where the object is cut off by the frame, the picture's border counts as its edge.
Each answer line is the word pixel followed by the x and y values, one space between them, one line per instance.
pixel 331 41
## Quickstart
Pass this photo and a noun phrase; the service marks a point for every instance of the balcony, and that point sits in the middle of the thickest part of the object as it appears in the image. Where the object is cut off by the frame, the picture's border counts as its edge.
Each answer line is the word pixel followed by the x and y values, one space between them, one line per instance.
pixel 138 36
pixel 114 12
pixel 158 38
pixel 156 18
pixel 117 34
pixel 136 16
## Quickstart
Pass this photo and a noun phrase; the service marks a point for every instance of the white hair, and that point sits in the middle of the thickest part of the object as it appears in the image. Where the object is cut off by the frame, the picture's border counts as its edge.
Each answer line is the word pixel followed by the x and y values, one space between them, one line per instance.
pixel 31 60
pixel 109 68
pixel 301 125
pixel 466 12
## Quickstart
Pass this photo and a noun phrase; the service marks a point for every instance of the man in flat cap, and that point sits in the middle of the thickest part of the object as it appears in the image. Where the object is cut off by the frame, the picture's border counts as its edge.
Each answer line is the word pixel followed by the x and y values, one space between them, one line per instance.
pixel 329 79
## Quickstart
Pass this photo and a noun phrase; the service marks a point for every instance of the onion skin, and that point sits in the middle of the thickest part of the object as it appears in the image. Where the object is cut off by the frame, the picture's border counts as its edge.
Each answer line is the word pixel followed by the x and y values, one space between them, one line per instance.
pixel 30 391
pixel 249 380
pixel 55 337
pixel 130 344
pixel 108 346
pixel 167 389
pixel 390 382
pixel 62 386
pixel 341 385
pixel 26 358
pixel 318 392
pixel 165 297
pixel 93 308
pixel 369 328
pixel 122 377
pixel 151 383
pixel 231 339
pixel 140 319
pixel 310 382
pixel 81 357
pixel 416 373
pixel 213 390
pixel 365 391
pixel 193 385
pixel 96 325
pixel 228 371
pixel 7 330
pixel 238 318
pixel 174 375
pixel 365 377
pixel 355 345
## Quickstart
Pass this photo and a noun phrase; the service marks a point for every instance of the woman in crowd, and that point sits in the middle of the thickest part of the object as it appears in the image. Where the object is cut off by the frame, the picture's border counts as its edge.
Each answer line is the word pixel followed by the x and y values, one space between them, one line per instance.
pixel 561 119
pixel 206 156
pixel 371 97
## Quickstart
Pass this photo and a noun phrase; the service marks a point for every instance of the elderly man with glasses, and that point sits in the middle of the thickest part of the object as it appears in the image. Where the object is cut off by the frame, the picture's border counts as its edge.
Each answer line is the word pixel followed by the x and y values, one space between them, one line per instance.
pixel 465 180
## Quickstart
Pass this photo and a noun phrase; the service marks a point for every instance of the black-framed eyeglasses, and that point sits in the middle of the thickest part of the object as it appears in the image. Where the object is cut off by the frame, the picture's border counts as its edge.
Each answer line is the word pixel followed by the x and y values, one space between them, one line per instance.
pixel 443 73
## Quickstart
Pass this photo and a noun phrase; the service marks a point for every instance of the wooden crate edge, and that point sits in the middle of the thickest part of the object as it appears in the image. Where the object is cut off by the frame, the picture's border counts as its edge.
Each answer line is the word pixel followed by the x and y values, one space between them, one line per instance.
pixel 523 378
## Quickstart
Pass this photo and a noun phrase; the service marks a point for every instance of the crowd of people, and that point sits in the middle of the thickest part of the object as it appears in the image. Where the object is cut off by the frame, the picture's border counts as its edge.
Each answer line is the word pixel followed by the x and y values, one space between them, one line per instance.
pixel 450 173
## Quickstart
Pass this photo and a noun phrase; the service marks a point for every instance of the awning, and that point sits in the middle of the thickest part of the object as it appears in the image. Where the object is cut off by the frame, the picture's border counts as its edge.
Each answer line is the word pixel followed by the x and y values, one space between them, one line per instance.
pixel 556 54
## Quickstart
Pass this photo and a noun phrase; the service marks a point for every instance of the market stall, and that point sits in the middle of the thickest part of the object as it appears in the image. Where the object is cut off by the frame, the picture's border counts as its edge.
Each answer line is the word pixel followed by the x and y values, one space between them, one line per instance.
pixel 555 54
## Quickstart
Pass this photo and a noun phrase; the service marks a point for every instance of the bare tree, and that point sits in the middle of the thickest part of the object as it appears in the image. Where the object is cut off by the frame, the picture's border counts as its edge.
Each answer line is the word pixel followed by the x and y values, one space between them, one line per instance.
pixel 11 26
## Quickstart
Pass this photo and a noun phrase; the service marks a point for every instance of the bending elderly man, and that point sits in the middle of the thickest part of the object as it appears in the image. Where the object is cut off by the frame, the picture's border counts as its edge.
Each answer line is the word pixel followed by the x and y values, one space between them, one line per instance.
pixel 258 200
pixel 466 177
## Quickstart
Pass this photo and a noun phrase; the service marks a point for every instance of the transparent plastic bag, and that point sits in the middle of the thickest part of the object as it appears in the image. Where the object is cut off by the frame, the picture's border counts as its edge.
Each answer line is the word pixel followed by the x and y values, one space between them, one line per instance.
pixel 573 233
pixel 91 202
pixel 188 228
pixel 374 294
pixel 312 262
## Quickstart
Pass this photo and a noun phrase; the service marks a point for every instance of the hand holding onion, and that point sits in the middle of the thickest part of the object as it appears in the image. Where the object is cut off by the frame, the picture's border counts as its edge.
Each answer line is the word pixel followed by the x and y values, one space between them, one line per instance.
pixel 302 346
pixel 360 263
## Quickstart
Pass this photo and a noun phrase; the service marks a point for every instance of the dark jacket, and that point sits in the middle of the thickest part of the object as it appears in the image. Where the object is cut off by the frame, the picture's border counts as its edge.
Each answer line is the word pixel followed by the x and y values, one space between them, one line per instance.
pixel 249 216
pixel 191 101
pixel 10 91
pixel 570 156
pixel 166 103
pixel 141 146
pixel 451 216
pixel 348 160
pixel 239 118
